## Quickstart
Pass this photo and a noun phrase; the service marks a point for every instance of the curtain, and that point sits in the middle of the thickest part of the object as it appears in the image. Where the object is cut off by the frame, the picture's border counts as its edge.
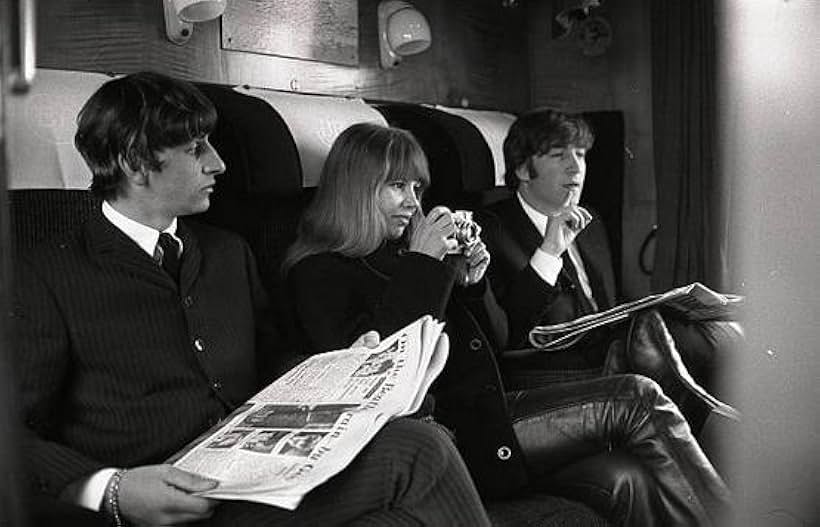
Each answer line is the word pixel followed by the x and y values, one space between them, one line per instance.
pixel 691 198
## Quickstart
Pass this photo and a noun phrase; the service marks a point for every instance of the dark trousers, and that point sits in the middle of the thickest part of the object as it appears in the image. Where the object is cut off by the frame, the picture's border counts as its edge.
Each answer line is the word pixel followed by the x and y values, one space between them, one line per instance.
pixel 663 479
pixel 409 475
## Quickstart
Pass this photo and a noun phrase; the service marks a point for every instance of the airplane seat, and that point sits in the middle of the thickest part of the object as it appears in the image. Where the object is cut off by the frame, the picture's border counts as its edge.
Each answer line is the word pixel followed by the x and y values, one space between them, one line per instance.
pixel 273 145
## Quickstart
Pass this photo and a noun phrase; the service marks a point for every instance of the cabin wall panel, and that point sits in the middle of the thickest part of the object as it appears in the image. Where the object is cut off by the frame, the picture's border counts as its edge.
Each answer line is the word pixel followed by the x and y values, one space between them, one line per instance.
pixel 620 79
pixel 478 55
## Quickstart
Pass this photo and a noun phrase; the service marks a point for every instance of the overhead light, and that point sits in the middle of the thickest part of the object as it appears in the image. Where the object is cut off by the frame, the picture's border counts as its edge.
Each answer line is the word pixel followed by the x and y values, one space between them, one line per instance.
pixel 181 15
pixel 403 31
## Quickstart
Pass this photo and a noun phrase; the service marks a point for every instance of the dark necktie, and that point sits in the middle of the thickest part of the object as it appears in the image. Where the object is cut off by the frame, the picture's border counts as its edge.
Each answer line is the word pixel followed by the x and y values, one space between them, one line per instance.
pixel 169 258
pixel 586 305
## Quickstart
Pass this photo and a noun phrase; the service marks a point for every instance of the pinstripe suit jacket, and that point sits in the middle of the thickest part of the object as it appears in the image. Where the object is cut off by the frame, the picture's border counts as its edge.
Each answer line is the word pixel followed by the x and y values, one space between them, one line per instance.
pixel 119 366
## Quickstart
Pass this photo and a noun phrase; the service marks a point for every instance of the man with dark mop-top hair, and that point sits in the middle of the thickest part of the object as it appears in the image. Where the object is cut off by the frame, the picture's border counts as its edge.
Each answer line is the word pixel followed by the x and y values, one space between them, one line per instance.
pixel 552 264
pixel 143 329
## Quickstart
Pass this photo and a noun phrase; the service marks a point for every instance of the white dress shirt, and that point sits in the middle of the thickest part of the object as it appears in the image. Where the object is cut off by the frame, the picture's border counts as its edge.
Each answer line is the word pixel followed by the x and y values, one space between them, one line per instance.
pixel 146 237
pixel 548 266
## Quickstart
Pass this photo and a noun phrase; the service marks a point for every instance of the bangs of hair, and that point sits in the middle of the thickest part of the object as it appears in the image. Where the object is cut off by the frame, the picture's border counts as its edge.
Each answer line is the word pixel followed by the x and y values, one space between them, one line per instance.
pixel 405 160
pixel 180 120
pixel 568 131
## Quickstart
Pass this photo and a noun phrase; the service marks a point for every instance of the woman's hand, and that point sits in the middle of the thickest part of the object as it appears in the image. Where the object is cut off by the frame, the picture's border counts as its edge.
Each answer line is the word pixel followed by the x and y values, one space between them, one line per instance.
pixel 433 235
pixel 478 259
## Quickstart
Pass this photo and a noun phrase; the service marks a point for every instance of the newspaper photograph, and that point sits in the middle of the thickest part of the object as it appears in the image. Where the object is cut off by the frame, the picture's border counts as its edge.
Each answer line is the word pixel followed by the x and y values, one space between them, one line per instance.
pixel 310 423
pixel 690 302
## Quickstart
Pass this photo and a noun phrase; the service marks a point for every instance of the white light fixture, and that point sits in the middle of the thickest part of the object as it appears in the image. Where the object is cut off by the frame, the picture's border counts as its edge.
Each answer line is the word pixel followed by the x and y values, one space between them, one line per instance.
pixel 403 31
pixel 181 15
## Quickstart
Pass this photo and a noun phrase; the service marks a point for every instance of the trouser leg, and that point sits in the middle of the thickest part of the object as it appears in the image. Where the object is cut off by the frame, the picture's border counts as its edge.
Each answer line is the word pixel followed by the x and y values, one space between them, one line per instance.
pixel 409 475
pixel 560 424
pixel 614 483
pixel 709 349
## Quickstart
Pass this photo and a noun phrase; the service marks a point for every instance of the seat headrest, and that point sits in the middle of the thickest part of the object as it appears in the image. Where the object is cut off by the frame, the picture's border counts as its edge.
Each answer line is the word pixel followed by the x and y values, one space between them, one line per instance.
pixel 493 127
pixel 463 148
pixel 40 131
pixel 255 143
pixel 314 123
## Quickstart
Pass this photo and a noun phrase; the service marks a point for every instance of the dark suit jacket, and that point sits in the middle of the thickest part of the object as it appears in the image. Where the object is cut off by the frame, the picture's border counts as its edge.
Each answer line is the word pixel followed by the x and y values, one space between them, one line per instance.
pixel 120 367
pixel 336 298
pixel 528 300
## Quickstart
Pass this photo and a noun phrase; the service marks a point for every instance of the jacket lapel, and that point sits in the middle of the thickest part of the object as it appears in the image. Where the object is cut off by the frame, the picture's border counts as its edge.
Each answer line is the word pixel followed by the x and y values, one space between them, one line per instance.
pixel 522 228
pixel 110 247
pixel 596 259
pixel 191 258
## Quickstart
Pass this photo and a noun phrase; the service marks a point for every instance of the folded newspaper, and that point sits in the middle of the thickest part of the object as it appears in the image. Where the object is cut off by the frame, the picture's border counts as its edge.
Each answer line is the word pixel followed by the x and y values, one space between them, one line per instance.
pixel 309 424
pixel 691 302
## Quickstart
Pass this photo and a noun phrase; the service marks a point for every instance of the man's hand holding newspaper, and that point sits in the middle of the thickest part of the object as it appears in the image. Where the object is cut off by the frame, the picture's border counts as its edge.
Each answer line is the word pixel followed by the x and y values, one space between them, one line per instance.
pixel 309 424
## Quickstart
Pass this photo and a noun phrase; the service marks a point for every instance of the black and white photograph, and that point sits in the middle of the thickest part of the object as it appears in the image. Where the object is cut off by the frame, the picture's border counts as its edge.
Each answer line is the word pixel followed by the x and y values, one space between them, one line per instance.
pixel 605 214
pixel 263 441
pixel 229 439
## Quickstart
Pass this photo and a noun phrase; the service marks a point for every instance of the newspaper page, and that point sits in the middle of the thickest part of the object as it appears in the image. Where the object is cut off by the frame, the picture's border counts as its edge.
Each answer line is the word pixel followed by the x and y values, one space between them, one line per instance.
pixel 691 302
pixel 309 424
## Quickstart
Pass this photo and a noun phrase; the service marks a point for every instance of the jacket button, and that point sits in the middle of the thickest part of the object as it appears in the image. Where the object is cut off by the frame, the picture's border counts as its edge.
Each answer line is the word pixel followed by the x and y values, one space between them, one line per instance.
pixel 475 344
pixel 504 453
pixel 199 344
pixel 188 301
pixel 492 388
pixel 216 385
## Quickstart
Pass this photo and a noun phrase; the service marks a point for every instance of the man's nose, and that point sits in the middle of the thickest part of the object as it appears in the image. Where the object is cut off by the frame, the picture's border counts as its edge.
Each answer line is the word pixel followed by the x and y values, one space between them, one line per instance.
pixel 574 164
pixel 213 163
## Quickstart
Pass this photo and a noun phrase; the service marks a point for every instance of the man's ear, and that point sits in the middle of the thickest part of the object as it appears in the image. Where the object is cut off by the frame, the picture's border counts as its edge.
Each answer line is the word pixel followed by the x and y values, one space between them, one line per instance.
pixel 523 171
pixel 136 176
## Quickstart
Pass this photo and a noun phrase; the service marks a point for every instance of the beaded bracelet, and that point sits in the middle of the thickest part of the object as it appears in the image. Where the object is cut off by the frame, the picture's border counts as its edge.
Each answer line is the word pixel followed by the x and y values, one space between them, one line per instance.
pixel 114 498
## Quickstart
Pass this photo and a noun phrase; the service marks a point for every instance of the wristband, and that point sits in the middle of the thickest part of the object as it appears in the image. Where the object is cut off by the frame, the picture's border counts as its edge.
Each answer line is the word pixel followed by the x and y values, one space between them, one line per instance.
pixel 113 498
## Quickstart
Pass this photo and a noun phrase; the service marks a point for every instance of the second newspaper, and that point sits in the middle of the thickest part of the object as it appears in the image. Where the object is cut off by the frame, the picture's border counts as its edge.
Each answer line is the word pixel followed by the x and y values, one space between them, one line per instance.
pixel 309 424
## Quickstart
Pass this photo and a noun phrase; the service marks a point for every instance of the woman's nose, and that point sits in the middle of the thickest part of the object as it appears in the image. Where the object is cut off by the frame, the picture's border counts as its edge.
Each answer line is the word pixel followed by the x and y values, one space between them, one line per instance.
pixel 411 199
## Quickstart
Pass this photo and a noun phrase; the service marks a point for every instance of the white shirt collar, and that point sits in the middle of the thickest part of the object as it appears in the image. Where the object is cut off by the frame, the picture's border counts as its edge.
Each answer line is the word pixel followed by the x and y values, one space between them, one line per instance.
pixel 144 236
pixel 538 219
